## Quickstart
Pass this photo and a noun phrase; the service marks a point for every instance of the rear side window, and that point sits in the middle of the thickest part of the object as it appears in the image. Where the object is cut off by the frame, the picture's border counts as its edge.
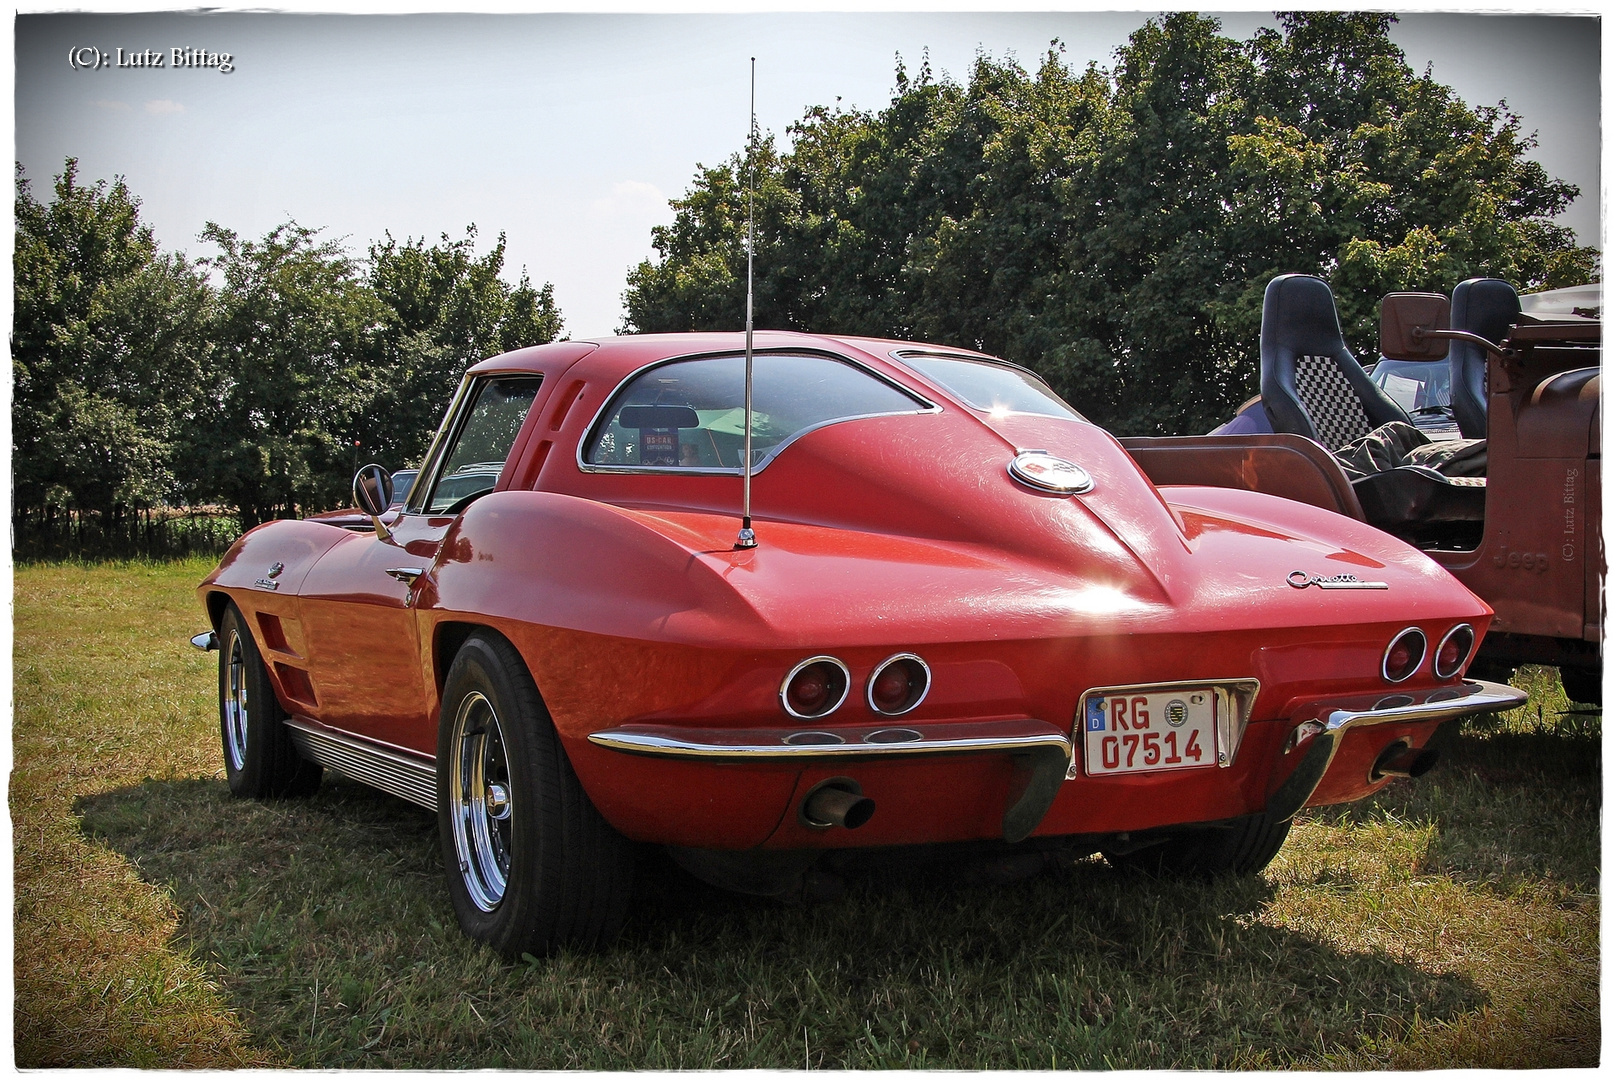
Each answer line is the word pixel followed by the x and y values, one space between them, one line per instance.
pixel 493 418
pixel 992 388
pixel 690 414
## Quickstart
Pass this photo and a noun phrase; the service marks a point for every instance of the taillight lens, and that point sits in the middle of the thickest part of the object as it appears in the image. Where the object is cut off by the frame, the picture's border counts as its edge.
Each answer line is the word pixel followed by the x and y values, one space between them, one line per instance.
pixel 1404 655
pixel 898 685
pixel 815 687
pixel 1454 650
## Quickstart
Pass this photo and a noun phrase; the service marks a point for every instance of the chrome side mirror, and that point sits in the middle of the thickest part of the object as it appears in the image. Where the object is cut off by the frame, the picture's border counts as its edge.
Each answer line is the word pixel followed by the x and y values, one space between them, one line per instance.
pixel 372 493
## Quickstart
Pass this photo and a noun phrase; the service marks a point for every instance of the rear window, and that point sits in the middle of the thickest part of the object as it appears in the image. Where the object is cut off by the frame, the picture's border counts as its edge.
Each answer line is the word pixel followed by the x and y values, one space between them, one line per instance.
pixel 990 387
pixel 690 414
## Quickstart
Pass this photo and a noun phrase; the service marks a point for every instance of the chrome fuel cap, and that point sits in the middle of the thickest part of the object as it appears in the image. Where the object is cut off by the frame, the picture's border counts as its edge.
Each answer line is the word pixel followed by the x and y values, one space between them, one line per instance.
pixel 1042 471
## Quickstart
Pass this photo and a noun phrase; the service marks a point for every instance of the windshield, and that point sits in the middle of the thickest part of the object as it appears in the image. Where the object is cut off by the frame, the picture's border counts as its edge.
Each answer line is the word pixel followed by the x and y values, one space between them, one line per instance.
pixel 690 414
pixel 1415 384
pixel 991 387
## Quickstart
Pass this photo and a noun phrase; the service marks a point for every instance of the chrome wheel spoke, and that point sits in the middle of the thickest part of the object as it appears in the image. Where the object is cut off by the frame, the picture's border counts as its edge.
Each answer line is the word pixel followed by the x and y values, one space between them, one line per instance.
pixel 481 806
pixel 235 703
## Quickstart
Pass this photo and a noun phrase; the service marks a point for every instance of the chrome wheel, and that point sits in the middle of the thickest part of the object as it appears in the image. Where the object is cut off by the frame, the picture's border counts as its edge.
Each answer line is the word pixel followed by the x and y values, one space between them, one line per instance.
pixel 235 702
pixel 479 799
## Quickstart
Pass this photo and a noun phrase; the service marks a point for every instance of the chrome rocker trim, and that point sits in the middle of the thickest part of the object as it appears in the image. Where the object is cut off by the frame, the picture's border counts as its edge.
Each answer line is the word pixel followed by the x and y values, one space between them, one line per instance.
pixel 1041 751
pixel 864 741
pixel 411 779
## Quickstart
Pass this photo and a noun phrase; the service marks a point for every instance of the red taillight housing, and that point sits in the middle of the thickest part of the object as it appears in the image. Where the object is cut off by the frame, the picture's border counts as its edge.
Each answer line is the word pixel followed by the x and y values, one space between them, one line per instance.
pixel 815 687
pixel 1404 655
pixel 1454 650
pixel 898 684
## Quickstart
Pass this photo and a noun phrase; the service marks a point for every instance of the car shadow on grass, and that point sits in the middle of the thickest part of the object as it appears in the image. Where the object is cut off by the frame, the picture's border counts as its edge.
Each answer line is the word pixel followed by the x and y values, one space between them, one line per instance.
pixel 327 923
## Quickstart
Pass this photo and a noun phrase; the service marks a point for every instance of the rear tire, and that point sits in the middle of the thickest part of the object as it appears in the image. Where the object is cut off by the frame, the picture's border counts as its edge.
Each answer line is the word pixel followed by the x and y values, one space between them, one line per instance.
pixel 532 866
pixel 1584 685
pixel 1243 846
pixel 260 760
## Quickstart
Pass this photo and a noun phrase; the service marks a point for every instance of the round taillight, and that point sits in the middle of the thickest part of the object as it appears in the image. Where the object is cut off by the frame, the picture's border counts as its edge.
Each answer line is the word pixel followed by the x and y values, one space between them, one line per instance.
pixel 1404 655
pixel 898 685
pixel 1453 651
pixel 815 687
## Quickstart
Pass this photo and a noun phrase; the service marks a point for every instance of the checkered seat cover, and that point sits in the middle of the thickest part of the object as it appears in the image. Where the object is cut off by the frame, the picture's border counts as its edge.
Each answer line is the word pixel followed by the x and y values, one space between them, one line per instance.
pixel 1311 384
pixel 1330 400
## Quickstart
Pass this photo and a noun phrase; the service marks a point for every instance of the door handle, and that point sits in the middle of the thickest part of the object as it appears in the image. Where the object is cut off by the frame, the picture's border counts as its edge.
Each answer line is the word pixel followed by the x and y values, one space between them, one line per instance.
pixel 406 574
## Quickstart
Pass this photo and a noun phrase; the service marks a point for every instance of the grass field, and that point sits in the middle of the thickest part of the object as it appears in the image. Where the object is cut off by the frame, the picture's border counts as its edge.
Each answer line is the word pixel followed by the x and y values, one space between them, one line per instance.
pixel 1448 922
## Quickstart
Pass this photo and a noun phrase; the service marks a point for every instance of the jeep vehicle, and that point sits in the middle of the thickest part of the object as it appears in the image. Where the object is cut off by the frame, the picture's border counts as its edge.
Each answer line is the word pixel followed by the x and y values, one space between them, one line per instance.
pixel 1524 375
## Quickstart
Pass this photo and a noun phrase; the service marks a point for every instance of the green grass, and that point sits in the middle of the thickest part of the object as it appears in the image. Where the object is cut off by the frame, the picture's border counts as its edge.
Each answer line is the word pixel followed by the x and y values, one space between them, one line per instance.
pixel 1447 922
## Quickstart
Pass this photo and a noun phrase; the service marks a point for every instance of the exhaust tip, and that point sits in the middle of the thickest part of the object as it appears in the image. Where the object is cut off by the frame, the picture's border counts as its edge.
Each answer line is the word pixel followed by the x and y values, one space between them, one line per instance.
pixel 837 802
pixel 1400 760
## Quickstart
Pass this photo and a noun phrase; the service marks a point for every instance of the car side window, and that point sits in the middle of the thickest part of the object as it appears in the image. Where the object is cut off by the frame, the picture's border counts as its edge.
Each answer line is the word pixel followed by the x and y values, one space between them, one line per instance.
pixel 992 387
pixel 690 414
pixel 493 418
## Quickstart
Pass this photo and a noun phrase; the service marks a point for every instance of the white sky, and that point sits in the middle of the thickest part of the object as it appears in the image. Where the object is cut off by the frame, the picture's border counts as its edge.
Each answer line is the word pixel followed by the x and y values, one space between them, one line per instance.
pixel 570 132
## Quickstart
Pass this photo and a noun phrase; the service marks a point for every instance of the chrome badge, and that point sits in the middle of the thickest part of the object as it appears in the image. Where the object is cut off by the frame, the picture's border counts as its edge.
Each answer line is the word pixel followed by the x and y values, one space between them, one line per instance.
pixel 1300 579
pixel 1043 471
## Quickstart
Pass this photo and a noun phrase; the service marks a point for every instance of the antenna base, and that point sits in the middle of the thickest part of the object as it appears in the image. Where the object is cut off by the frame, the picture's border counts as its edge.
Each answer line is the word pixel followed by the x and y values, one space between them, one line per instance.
pixel 748 539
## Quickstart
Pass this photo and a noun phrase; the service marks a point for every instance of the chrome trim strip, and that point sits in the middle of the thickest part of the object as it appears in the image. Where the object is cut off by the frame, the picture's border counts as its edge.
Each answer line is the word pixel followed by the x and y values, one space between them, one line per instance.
pixel 1384 664
pixel 868 690
pixel 927 407
pixel 1461 660
pixel 411 779
pixel 784 688
pixel 1471 698
pixel 1001 736
pixel 1443 703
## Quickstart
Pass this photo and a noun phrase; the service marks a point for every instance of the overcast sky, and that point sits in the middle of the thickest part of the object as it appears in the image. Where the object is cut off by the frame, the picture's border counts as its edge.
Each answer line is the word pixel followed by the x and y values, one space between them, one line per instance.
pixel 570 132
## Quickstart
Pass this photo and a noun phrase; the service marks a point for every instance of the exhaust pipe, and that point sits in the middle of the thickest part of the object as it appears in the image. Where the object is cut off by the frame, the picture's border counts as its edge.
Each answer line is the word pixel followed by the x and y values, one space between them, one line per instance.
pixel 836 802
pixel 1399 760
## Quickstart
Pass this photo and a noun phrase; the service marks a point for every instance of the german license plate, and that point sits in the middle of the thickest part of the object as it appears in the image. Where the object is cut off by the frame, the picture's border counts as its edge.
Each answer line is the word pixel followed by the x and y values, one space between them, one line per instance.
pixel 1149 730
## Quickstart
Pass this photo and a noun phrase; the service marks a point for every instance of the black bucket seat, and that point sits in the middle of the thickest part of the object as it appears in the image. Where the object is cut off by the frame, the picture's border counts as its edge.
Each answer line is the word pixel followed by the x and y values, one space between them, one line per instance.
pixel 1312 385
pixel 1487 307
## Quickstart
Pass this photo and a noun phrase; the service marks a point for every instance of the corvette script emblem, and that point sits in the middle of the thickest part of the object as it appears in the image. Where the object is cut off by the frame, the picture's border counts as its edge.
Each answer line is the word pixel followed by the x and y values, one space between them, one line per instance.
pixel 1300 579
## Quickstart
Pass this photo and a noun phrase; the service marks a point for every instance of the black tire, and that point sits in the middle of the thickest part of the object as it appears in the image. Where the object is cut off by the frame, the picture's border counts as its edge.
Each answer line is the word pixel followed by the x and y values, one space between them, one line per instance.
pixel 260 760
pixel 1584 685
pixel 550 873
pixel 1243 846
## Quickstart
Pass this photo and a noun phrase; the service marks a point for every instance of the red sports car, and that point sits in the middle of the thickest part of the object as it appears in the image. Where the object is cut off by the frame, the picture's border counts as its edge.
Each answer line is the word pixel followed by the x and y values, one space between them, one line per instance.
pixel 968 617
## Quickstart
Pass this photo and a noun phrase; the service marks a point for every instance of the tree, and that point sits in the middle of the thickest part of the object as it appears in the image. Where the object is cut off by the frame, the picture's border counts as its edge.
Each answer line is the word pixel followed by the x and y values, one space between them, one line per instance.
pixel 107 341
pixel 446 309
pixel 1115 230
pixel 295 376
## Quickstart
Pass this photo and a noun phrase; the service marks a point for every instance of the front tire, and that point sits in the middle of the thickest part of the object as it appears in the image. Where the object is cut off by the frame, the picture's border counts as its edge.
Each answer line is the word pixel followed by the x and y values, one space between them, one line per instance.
pixel 532 866
pixel 1243 846
pixel 260 761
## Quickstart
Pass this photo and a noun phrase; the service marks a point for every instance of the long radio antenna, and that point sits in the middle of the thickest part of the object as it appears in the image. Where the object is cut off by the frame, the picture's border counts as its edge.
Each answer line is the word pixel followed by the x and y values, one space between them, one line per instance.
pixel 748 538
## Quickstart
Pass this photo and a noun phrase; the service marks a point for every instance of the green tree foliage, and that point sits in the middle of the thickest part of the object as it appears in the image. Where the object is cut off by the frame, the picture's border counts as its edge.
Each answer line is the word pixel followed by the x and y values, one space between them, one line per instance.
pixel 1115 230
pixel 293 377
pixel 445 309
pixel 256 379
pixel 108 340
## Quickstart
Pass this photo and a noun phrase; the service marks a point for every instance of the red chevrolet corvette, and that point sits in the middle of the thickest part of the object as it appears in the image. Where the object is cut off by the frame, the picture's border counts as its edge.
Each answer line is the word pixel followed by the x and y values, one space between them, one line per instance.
pixel 968 616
